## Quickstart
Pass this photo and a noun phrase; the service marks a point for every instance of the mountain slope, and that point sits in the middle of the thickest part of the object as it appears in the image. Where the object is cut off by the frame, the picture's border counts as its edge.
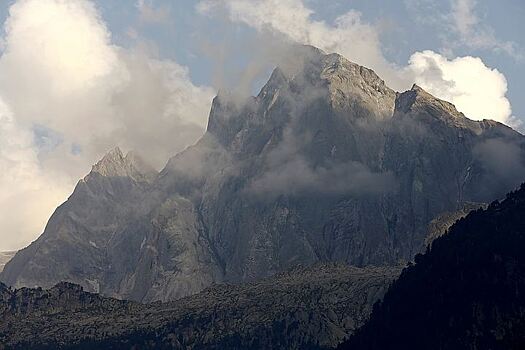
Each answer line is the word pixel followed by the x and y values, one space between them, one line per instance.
pixel 4 258
pixel 113 237
pixel 302 308
pixel 325 164
pixel 83 228
pixel 466 292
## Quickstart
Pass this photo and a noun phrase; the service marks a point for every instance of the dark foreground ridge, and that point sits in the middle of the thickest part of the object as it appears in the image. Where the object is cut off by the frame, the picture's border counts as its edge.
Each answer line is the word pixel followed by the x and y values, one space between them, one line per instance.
pixel 466 292
pixel 304 308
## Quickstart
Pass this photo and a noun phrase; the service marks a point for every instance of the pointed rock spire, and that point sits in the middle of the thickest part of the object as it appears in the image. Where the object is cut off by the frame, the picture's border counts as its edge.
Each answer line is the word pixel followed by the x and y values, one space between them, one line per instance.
pixel 111 164
pixel 418 99
pixel 115 164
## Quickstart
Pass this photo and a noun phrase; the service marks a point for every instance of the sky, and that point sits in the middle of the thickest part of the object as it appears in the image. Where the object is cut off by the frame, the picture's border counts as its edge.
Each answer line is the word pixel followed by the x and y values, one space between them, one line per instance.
pixel 79 77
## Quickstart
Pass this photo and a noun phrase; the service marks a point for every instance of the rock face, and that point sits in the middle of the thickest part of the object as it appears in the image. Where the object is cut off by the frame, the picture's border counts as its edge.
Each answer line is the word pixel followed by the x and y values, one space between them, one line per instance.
pixel 4 258
pixel 304 308
pixel 325 164
pixel 466 292
pixel 113 237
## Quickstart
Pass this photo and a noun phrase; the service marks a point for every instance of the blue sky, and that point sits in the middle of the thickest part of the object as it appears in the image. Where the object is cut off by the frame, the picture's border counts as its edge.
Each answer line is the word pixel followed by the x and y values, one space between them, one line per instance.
pixel 406 27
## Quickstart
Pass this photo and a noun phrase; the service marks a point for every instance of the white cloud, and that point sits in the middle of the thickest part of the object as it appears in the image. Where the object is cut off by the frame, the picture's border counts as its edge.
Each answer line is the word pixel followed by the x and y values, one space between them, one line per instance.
pixel 463 16
pixel 477 90
pixel 349 35
pixel 460 26
pixel 60 74
pixel 57 37
pixel 473 33
pixel 28 194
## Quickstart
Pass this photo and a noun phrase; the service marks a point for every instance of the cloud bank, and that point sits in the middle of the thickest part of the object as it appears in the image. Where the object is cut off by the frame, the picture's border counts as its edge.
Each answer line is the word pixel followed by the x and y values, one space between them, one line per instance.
pixel 69 95
pixel 477 90
pixel 297 177
pixel 28 193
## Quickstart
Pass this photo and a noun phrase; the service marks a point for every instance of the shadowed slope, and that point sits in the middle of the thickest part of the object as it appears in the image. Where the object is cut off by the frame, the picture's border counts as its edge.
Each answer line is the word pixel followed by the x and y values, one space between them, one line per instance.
pixel 466 292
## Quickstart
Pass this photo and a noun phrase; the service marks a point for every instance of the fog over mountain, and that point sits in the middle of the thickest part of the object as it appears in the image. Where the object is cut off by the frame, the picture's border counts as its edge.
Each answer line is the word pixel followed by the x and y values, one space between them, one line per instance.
pixel 326 163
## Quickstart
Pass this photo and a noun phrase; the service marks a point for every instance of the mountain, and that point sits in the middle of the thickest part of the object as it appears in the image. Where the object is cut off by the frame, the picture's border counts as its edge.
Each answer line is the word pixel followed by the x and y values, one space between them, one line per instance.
pixel 466 292
pixel 325 164
pixel 304 308
pixel 5 257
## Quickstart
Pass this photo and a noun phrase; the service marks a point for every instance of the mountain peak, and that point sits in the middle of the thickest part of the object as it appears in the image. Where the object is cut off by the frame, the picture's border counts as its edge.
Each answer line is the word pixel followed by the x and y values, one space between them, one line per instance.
pixel 115 164
pixel 277 79
pixel 311 77
pixel 419 100
pixel 418 88
pixel 423 94
pixel 112 156
pixel 111 164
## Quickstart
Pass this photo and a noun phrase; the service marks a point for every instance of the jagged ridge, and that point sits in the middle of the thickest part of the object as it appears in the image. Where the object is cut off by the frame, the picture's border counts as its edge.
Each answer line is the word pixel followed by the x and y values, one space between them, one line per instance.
pixel 304 308
pixel 115 164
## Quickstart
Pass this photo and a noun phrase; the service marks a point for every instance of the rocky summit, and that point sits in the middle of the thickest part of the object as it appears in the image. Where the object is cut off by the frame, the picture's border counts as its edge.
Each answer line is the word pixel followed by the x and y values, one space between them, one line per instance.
pixel 325 164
